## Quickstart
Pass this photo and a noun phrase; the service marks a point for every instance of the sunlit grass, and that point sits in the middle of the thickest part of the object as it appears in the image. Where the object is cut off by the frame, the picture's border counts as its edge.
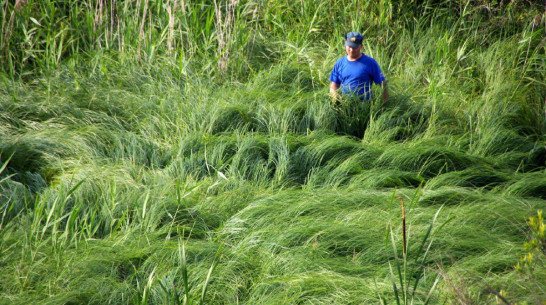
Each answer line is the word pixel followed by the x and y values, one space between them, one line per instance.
pixel 138 170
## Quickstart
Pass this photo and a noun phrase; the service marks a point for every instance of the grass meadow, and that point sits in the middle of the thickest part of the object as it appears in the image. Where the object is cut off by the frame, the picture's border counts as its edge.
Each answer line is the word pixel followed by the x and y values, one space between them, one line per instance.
pixel 186 152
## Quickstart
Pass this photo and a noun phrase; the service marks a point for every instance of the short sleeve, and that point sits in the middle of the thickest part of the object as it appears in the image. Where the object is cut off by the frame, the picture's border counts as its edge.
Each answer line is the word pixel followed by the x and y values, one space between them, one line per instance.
pixel 334 75
pixel 378 76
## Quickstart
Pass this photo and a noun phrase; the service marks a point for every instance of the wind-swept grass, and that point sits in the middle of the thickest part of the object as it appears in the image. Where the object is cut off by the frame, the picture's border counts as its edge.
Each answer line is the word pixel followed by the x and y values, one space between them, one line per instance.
pixel 164 152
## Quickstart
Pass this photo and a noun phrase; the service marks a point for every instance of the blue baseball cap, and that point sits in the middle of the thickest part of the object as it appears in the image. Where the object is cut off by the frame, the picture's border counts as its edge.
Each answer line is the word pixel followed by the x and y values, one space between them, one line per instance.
pixel 353 39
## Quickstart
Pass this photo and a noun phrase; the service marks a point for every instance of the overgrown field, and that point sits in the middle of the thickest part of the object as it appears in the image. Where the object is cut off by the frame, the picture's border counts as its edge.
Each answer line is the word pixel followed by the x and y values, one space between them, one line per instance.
pixel 163 152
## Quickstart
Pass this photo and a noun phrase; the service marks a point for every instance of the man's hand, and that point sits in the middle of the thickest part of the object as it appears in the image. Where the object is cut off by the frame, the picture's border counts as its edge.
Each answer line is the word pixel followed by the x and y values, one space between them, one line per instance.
pixel 385 91
pixel 334 95
pixel 336 103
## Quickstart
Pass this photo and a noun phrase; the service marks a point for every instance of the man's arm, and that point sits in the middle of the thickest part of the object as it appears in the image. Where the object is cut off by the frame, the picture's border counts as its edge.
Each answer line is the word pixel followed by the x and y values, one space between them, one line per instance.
pixel 385 91
pixel 334 94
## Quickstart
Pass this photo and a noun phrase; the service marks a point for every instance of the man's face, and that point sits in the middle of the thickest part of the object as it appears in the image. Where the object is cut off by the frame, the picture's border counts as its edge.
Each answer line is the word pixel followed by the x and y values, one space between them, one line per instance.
pixel 353 52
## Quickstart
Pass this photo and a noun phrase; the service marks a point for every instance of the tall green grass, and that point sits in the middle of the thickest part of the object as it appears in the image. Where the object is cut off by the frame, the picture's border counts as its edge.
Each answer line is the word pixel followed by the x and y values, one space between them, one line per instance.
pixel 160 152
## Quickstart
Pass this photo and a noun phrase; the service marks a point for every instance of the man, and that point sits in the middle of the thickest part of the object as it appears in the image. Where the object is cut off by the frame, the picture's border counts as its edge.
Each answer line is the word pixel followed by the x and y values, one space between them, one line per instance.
pixel 354 74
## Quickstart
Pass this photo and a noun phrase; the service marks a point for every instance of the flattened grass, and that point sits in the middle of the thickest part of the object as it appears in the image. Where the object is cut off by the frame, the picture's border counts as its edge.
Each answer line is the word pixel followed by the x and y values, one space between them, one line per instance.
pixel 124 178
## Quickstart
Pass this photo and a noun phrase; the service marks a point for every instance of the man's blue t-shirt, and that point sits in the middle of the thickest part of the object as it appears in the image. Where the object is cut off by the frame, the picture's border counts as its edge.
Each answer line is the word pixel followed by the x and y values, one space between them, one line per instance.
pixel 356 77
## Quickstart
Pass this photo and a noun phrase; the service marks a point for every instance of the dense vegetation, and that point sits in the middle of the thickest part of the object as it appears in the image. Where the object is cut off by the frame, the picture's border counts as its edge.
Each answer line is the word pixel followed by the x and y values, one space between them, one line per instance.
pixel 165 152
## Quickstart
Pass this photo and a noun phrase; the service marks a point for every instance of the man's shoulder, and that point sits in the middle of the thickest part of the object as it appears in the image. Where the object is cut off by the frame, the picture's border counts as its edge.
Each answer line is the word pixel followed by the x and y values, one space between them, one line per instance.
pixel 341 60
pixel 366 57
pixel 369 59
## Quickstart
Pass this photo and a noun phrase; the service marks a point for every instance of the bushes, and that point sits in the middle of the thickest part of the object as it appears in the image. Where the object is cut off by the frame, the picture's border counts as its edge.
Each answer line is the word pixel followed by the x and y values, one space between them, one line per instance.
pixel 474 177
pixel 531 184
pixel 147 137
pixel 427 160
